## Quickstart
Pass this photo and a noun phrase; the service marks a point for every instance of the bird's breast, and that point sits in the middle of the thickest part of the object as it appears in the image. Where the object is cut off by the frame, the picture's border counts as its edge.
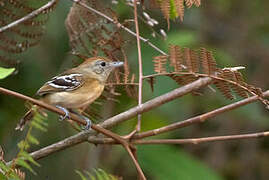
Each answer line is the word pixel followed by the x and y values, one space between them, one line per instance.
pixel 78 98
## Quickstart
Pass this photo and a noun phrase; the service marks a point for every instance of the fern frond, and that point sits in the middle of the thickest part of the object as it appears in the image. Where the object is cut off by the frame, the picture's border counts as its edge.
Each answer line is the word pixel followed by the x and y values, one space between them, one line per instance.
pixel 98 174
pixel 224 87
pixel 165 8
pixel 179 4
pixel 19 38
pixel 186 65
pixel 176 57
pixel 159 63
pixel 191 59
pixel 209 64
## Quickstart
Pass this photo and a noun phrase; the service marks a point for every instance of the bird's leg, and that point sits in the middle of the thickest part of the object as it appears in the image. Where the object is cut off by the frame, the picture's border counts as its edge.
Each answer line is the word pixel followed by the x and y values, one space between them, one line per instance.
pixel 66 116
pixel 88 121
pixel 88 125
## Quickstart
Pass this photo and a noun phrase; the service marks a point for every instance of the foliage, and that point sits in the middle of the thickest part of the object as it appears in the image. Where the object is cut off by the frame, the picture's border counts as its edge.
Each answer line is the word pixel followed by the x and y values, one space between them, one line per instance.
pixel 98 174
pixel 4 72
pixel 90 35
pixel 168 162
pixel 23 158
pixel 189 66
pixel 18 39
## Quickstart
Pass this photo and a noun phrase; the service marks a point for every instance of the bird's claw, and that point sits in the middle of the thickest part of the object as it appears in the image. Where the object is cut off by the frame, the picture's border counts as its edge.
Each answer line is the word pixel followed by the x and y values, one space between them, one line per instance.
pixel 66 116
pixel 88 125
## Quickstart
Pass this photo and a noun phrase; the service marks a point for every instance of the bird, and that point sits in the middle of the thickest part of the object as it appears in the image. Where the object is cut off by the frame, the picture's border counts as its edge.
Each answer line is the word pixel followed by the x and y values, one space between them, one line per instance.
pixel 74 88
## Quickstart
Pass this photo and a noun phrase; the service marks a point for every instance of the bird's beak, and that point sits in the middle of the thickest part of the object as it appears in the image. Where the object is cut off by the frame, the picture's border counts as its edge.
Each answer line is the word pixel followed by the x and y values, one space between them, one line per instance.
pixel 116 64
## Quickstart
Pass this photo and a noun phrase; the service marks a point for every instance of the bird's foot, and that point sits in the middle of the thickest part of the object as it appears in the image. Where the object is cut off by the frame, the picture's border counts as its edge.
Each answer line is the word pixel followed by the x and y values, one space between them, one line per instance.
pixel 66 116
pixel 88 125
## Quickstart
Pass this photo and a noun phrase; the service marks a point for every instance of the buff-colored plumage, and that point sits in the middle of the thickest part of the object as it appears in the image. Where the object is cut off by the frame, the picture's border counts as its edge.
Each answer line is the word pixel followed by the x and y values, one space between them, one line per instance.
pixel 77 87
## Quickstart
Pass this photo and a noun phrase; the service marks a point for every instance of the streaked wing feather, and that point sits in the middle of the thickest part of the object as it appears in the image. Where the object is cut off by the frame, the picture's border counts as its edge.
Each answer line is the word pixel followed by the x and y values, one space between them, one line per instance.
pixel 64 82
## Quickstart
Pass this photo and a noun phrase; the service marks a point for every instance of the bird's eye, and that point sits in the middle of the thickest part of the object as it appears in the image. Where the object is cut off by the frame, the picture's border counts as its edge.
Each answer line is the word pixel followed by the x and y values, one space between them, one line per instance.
pixel 103 63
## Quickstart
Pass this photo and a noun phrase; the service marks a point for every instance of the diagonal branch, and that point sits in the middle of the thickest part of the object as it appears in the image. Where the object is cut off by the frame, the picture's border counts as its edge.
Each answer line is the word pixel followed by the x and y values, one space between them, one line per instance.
pixel 134 159
pixel 29 16
pixel 61 112
pixel 158 101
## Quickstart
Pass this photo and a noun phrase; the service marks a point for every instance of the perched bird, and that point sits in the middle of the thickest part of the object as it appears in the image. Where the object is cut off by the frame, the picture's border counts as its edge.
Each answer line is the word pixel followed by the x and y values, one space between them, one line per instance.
pixel 75 88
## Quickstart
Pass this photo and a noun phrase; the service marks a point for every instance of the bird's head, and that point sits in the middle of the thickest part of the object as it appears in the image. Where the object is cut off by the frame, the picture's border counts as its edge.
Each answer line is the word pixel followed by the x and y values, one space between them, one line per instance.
pixel 99 67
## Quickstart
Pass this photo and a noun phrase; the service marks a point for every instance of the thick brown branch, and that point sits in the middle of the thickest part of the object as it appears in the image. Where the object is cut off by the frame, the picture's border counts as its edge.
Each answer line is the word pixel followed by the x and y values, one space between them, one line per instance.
pixel 73 140
pixel 28 16
pixel 58 111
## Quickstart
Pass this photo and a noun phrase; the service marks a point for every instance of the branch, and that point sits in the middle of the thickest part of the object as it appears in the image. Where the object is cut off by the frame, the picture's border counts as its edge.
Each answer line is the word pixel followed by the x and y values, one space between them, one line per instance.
pixel 158 101
pixel 106 141
pixel 28 16
pixel 200 140
pixel 138 127
pixel 200 118
pixel 118 25
pixel 59 111
pixel 134 159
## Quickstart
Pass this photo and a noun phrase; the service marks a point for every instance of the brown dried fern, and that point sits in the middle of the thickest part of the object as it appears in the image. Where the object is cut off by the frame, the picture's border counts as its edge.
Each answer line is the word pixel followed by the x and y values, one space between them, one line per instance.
pixel 209 64
pixel 24 35
pixel 178 5
pixel 191 59
pixel 159 63
pixel 227 80
pixel 176 57
pixel 92 35
pixel 165 8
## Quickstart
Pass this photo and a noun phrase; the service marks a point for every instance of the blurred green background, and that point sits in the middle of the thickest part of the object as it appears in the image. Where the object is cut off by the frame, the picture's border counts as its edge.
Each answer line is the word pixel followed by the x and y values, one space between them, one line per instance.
pixel 237 33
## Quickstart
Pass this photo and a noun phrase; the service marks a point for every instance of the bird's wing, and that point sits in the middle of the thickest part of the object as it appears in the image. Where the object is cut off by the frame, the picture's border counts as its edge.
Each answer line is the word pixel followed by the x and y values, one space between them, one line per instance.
pixel 63 82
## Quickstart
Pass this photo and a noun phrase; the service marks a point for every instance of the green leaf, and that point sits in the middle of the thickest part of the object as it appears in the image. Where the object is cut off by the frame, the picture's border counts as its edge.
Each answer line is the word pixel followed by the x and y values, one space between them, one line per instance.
pixel 38 126
pixel 3 177
pixel 98 174
pixel 4 167
pixel 23 145
pixel 32 139
pixel 4 72
pixel 173 11
pixel 25 165
pixel 169 163
pixel 91 177
pixel 81 175
pixel 28 157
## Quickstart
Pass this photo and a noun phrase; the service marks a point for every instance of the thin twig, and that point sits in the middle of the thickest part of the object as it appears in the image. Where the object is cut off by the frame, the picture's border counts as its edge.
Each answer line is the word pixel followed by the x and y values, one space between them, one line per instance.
pixel 106 141
pixel 201 140
pixel 119 25
pixel 200 118
pixel 139 169
pixel 138 127
pixel 29 16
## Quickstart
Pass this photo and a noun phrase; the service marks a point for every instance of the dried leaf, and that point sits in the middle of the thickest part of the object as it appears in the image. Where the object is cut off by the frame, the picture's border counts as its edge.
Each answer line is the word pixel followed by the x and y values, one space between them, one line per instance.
pixel 179 4
pixel 159 63
pixel 176 57
pixel 209 64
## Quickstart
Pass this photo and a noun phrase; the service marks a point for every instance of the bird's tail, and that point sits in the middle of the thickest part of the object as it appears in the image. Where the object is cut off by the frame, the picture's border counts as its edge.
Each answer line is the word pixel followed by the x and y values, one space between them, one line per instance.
pixel 26 118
